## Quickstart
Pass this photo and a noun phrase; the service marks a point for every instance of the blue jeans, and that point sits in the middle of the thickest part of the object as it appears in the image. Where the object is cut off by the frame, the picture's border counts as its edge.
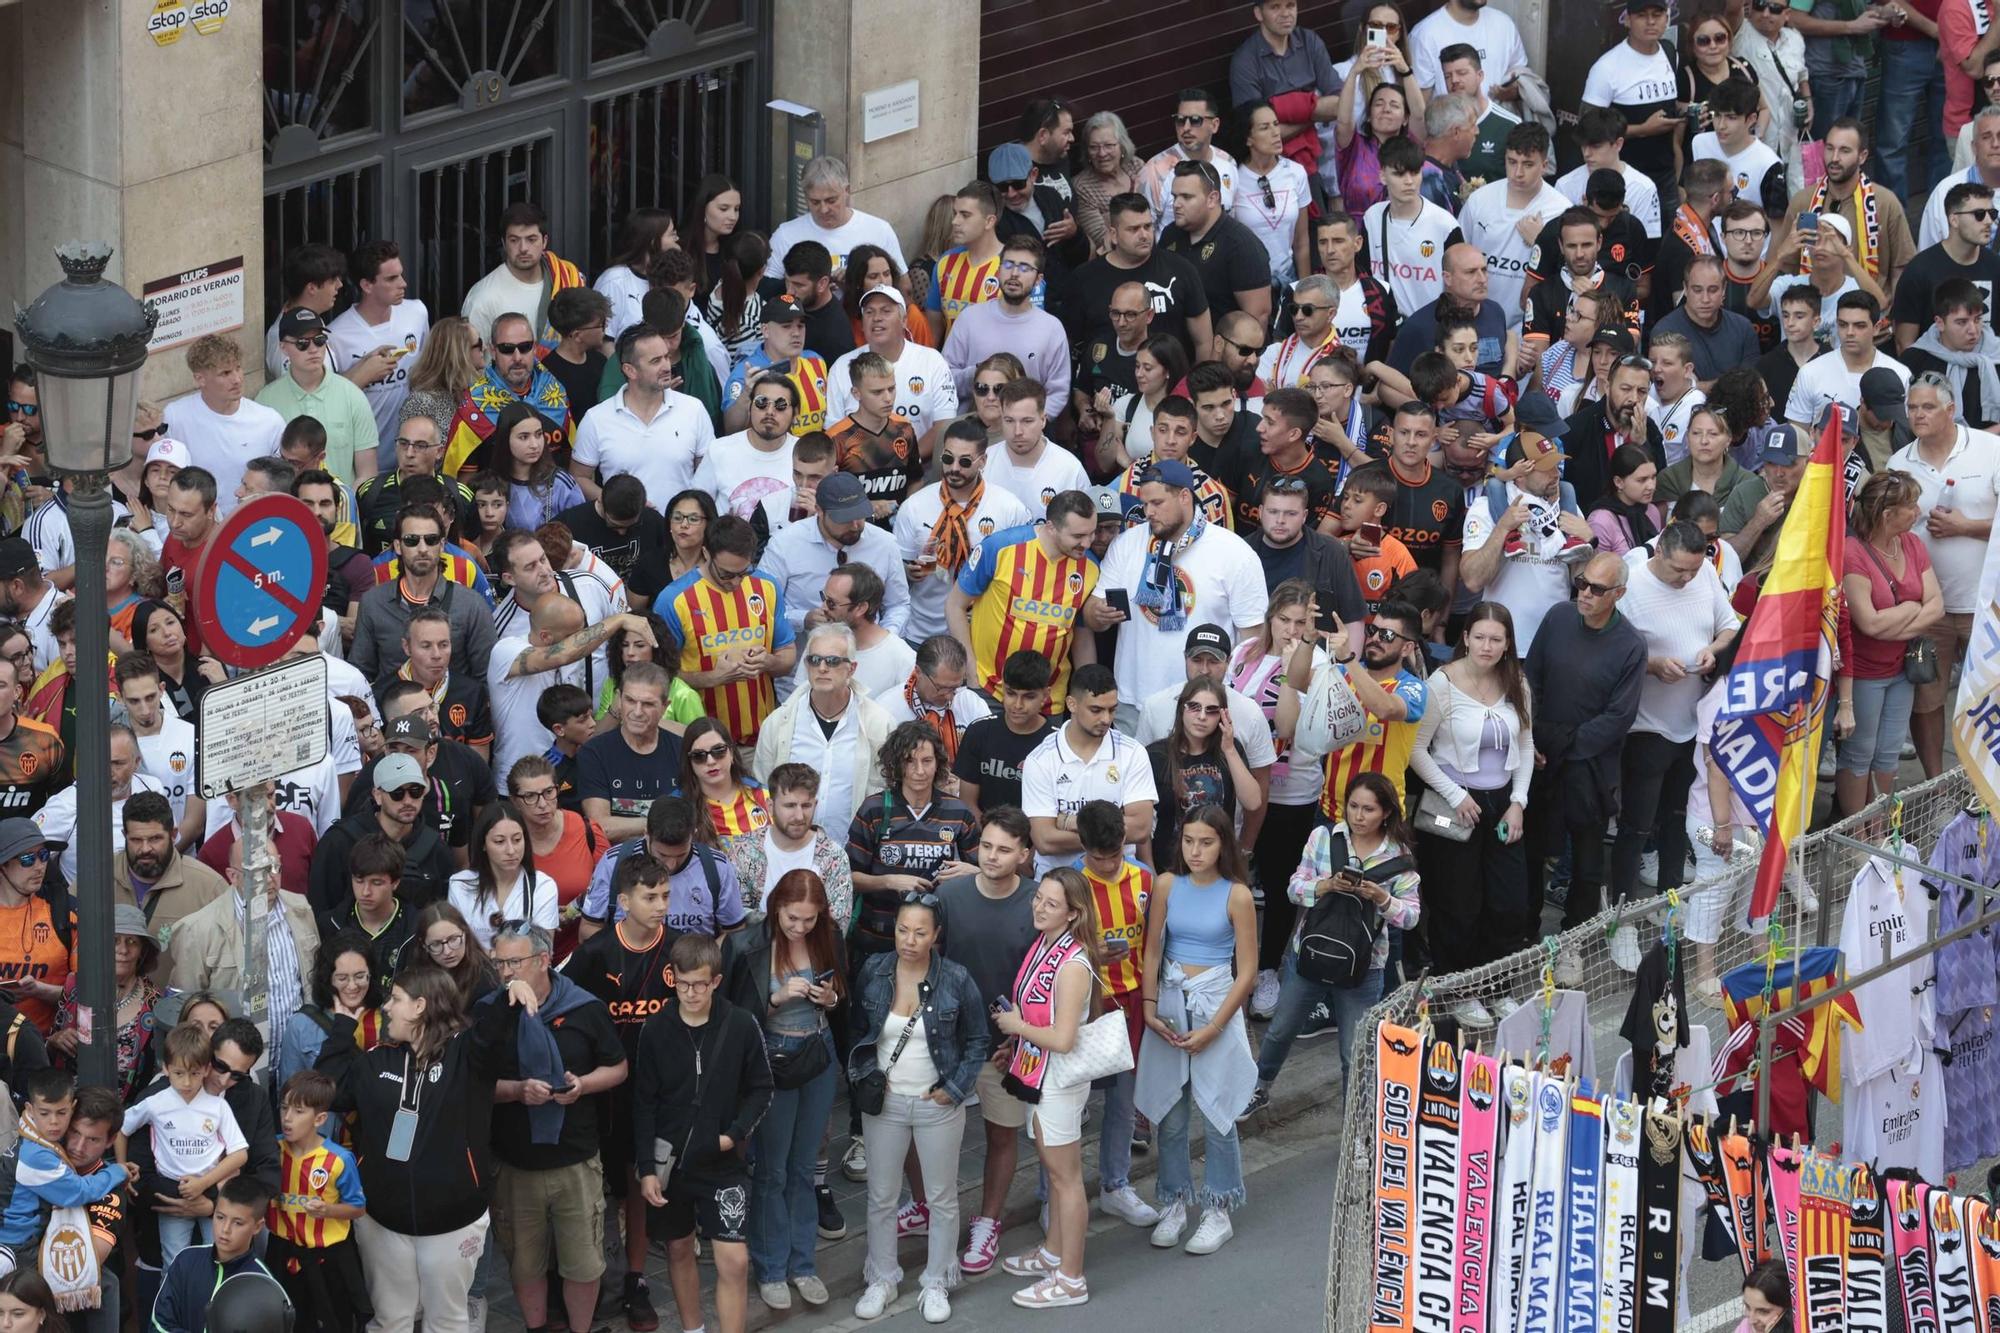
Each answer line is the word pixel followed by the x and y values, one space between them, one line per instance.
pixel 1837 95
pixel 1881 725
pixel 1296 998
pixel 1222 1166
pixel 1912 96
pixel 784 1218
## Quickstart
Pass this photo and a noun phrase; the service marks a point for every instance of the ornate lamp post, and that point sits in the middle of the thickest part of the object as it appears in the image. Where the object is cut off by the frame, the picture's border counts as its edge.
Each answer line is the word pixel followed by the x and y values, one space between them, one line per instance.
pixel 86 339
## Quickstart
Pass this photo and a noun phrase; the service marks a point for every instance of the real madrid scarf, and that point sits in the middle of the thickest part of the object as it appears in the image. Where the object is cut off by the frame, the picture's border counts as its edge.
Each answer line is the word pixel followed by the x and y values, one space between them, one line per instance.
pixel 1782 1166
pixel 1542 1275
pixel 1396 1060
pixel 1517 1164
pixel 1910 1242
pixel 1824 1210
pixel 1867 214
pixel 1586 1208
pixel 1867 1250
pixel 1478 1159
pixel 1618 1291
pixel 1741 1172
pixel 1660 1242
pixel 1159 587
pixel 1437 1189
pixel 1982 1229
pixel 1952 1270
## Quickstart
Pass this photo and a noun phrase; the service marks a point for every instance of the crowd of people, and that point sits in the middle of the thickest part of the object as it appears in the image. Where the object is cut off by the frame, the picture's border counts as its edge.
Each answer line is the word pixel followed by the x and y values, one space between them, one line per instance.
pixel 719 723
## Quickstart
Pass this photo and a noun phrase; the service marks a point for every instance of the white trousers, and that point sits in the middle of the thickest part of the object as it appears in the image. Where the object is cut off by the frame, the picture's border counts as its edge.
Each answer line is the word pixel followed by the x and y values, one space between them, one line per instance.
pixel 408 1273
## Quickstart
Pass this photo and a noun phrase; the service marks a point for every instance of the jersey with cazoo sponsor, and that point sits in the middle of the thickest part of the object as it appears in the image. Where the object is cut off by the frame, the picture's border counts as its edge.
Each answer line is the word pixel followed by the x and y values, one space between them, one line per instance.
pixel 1407 256
pixel 1024 598
pixel 708 624
pixel 1493 224
pixel 1427 516
pixel 634 980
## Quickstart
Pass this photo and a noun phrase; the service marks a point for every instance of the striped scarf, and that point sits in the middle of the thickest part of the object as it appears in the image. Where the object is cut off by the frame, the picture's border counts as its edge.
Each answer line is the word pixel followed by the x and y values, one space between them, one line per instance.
pixel 1035 998
pixel 1396 1059
pixel 1159 586
pixel 562 275
pixel 951 542
pixel 1867 1251
pixel 1618 1292
pixel 1438 1118
pixel 1783 1167
pixel 1693 232
pixel 1953 1273
pixel 1585 1187
pixel 1824 1211
pixel 1910 1244
pixel 1868 244
pixel 941 719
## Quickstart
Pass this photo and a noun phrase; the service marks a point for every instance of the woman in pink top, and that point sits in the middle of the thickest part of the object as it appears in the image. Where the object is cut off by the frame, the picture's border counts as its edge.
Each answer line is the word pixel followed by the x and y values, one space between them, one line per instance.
pixel 1625 515
pixel 1767 1300
pixel 1892 597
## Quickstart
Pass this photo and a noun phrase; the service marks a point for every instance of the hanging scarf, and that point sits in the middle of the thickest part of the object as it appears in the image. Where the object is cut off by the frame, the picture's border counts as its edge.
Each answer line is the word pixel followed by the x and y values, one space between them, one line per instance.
pixel 1783 1178
pixel 1660 1244
pixel 1741 1175
pixel 951 542
pixel 1867 1250
pixel 1982 1225
pixel 1705 1157
pixel 1438 1119
pixel 1868 244
pixel 1824 1209
pixel 1296 358
pixel 1953 1273
pixel 1035 998
pixel 1542 1279
pixel 1356 427
pixel 561 275
pixel 1478 1152
pixel 1517 1162
pixel 1960 365
pixel 1618 1291
pixel 1910 1239
pixel 1584 1186
pixel 1159 587
pixel 943 720
pixel 1693 231
pixel 539 1056
pixel 1396 1052
pixel 479 410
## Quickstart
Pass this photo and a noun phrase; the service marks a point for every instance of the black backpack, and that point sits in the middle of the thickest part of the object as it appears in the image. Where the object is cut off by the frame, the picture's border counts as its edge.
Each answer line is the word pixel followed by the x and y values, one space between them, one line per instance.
pixel 1340 929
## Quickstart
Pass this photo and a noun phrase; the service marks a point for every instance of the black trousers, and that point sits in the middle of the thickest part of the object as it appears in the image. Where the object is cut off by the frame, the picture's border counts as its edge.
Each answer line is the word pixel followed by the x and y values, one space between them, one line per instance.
pixel 1549 822
pixel 1475 893
pixel 1655 774
pixel 1280 844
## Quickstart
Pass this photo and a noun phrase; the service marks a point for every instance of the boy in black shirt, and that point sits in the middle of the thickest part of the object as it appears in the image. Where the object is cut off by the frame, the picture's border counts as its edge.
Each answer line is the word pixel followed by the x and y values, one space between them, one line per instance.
pixel 567 713
pixel 374 907
pixel 990 753
pixel 617 526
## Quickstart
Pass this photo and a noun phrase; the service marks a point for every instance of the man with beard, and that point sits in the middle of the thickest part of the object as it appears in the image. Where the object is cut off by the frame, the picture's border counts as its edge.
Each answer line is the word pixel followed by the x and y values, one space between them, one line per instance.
pixel 1173 289
pixel 1580 240
pixel 152 874
pixel 23 432
pixel 386 608
pixel 401 789
pixel 1745 229
pixel 1390 689
pixel 1719 338
pixel 1289 549
pixel 1705 192
pixel 320 491
pixel 1881 231
pixel 742 469
pixel 939 528
pixel 1594 432
pixel 1489 32
pixel 1014 322
pixel 515 374
pixel 1235 268
pixel 1963 253
pixel 1465 282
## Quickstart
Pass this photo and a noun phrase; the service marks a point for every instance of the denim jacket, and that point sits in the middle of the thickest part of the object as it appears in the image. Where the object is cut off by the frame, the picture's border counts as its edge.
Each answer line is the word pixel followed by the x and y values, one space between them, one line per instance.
pixel 954 1021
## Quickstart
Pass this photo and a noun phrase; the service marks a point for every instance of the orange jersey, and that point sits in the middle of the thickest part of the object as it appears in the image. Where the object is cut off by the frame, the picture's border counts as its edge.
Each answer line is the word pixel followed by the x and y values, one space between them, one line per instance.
pixel 328 1173
pixel 31 764
pixel 31 946
pixel 748 812
pixel 710 625
pixel 1121 915
pixel 1024 598
pixel 1378 573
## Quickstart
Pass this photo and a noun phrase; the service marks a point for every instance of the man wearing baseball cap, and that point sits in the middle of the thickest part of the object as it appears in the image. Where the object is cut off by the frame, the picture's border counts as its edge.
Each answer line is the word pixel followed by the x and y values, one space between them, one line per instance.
pixel 800 557
pixel 783 351
pixel 309 388
pixel 926 398
pixel 1756 509
pixel 27 597
pixel 1885 424
pixel 397 812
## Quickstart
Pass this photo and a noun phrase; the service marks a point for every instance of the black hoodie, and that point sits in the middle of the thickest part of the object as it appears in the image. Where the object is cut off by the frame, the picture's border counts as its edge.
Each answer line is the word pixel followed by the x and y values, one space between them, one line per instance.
pixel 427 863
pixel 693 1085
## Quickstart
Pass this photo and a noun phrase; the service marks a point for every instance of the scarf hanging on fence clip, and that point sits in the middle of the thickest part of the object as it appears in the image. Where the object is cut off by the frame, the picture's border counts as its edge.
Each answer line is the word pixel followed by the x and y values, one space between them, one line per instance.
pixel 1660 1204
pixel 1705 1156
pixel 1396 1061
pixel 1910 1241
pixel 1585 1187
pixel 1478 1162
pixel 1517 1171
pixel 1742 1172
pixel 1618 1289
pixel 1542 1278
pixel 1951 1265
pixel 1982 1229
pixel 1782 1173
pixel 1867 1255
pixel 1438 1116
pixel 1824 1211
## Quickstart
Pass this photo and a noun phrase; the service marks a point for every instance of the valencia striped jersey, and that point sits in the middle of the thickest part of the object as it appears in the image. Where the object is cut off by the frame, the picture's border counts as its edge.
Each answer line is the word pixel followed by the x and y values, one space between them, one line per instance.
pixel 712 627
pixel 1024 598
pixel 327 1172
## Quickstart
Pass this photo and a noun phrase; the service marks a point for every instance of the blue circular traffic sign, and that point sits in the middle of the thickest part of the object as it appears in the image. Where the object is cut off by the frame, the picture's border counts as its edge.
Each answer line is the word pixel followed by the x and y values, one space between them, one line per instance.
pixel 260 581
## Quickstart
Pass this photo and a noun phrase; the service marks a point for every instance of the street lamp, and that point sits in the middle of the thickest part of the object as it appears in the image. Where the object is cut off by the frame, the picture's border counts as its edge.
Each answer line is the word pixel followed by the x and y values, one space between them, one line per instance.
pixel 86 339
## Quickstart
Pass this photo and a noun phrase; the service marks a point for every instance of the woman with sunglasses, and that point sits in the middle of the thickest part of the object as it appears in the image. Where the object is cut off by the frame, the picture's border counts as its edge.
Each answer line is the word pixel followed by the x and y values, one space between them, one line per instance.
pixel 1199 763
pixel 1892 597
pixel 1707 62
pixel 988 378
pixel 921 1023
pixel 1775 53
pixel 131 575
pixel 452 358
pixel 1274 195
pixel 786 972
pixel 345 984
pixel 1126 430
pixel 710 770
pixel 128 483
pixel 538 489
pixel 566 844
pixel 502 883
pixel 1110 167
pixel 445 937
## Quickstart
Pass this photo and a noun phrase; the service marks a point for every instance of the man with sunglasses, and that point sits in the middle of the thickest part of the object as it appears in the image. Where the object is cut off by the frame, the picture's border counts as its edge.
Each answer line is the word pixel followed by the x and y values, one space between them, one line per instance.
pixel 1013 320
pixel 384 618
pixel 401 790
pixel 1964 251
pixel 309 388
pixel 23 433
pixel 419 453
pixel 514 374
pixel 1197 116
pixel 39 921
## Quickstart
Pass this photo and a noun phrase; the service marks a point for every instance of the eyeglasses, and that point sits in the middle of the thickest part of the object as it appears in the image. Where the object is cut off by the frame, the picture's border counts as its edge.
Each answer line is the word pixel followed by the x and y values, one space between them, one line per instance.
pixel 542 797
pixel 350 978
pixel 1199 709
pixel 825 660
pixel 1270 199
pixel 763 404
pixel 696 987
pixel 422 539
pixel 1010 186
pixel 688 520
pixel 405 442
pixel 1712 39
pixel 1017 266
pixel 25 409
pixel 1192 120
pixel 509 964
pixel 408 792
pixel 153 434
pixel 709 755
pixel 1306 309
pixel 1976 214
pixel 449 944
pixel 1746 233
pixel 317 340
pixel 513 349
pixel 226 1074
pixel 1584 586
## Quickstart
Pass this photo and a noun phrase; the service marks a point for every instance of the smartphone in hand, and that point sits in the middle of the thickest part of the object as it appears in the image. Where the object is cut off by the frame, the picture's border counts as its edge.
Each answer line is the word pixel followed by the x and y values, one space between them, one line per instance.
pixel 1370 533
pixel 1119 600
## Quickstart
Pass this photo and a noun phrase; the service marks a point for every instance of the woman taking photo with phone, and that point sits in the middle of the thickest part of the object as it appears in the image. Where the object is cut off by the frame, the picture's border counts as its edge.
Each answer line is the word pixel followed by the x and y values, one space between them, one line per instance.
pixel 1194 1054
pixel 922 1040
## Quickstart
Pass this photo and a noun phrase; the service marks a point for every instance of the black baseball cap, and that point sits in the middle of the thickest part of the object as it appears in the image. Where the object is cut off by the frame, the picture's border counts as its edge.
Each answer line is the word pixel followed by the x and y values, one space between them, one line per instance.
pixel 1210 639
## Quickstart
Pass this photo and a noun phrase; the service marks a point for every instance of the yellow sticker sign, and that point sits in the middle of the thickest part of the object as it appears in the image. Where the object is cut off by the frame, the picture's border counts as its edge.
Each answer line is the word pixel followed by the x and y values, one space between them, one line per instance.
pixel 169 19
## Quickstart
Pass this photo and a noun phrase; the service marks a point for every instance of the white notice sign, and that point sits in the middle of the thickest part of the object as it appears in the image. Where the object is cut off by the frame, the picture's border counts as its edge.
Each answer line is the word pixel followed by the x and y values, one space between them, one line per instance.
pixel 888 111
pixel 202 300
pixel 263 726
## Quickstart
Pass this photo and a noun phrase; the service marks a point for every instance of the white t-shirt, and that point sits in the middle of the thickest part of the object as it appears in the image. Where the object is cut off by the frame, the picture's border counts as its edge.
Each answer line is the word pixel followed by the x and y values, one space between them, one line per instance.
pixel 859 229
pixel 1624 77
pixel 1971 475
pixel 190 1134
pixel 1728 565
pixel 740 475
pixel 1054 781
pixel 1829 302
pixel 777 864
pixel 57 817
pixel 501 293
pixel 1057 470
pixel 1826 379
pixel 1930 227
pixel 1493 35
pixel 1156 722
pixel 168 759
pixel 1277 222
pixel 1536 581
pixel 517 731
pixel 998 510
pixel 517 904
pixel 662 452
pixel 625 290
pixel 224 444
pixel 925 394
pixel 1747 167
pixel 1488 221
pixel 1672 419
pixel 966 705
pixel 1222 583
pixel 350 338
pixel 1413 266
pixel 1676 623
pixel 1351 323
pixel 1642 197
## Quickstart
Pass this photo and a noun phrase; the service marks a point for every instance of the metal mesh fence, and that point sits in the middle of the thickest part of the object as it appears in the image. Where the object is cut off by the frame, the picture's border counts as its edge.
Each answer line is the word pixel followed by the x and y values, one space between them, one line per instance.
pixel 1828 865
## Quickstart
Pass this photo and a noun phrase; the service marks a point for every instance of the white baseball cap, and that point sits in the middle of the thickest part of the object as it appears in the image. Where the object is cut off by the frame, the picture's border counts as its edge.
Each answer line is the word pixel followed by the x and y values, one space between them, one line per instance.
pixel 169 450
pixel 884 289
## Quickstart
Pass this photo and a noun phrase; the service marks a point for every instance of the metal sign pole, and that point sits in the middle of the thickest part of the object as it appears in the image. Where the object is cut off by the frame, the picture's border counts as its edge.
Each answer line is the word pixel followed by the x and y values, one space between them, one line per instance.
pixel 259 879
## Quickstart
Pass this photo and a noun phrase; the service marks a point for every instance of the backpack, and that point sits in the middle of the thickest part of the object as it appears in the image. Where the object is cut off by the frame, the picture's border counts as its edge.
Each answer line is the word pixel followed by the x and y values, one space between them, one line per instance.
pixel 1338 937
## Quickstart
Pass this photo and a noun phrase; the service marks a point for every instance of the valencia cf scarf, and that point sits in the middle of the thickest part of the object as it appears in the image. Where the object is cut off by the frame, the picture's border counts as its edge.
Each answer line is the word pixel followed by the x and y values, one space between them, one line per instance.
pixel 1618 1289
pixel 479 412
pixel 1437 1189
pixel 1510 1214
pixel 1782 1166
pixel 1951 1266
pixel 1478 1163
pixel 1706 1158
pixel 1823 1220
pixel 1586 1208
pixel 562 275
pixel 1742 1174
pixel 1396 1052
pixel 1867 212
pixel 1910 1243
pixel 1542 1279
pixel 1660 1239
pixel 1867 1253
pixel 1982 1230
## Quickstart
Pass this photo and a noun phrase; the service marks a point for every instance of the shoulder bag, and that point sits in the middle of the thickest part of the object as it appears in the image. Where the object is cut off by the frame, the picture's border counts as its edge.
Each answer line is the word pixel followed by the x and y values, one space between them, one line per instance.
pixel 870 1090
pixel 1920 663
pixel 1103 1048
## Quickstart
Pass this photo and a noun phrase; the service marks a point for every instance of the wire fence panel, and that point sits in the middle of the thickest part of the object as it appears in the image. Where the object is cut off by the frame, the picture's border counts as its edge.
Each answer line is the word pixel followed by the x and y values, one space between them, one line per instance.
pixel 1827 866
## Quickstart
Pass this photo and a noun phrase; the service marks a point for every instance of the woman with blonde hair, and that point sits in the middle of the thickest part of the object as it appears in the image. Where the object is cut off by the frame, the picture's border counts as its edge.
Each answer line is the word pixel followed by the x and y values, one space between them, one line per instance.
pixel 936 240
pixel 131 575
pixel 1110 166
pixel 988 378
pixel 453 356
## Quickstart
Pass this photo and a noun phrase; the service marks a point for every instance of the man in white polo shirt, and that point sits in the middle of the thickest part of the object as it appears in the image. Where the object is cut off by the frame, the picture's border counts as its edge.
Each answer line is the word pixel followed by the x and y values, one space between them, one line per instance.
pixel 646 430
pixel 1086 760
pixel 1958 471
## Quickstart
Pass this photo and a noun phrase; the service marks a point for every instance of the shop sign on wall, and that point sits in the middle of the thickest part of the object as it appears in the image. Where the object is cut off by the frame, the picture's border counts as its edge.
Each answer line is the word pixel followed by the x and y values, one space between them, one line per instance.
pixel 208 299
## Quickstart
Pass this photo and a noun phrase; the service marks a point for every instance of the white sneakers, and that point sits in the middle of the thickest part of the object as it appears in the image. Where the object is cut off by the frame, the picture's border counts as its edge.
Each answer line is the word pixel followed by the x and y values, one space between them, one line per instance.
pixel 1213 1233
pixel 1264 999
pixel 981 1246
pixel 1125 1204
pixel 1173 1221
pixel 936 1306
pixel 875 1300
pixel 812 1289
pixel 1649 869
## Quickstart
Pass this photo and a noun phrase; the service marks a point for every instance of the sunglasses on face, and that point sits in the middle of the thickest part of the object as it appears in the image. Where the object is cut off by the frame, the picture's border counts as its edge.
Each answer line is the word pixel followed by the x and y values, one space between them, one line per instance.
pixel 423 539
pixel 1242 349
pixel 1976 214
pixel 825 660
pixel 1199 709
pixel 1190 120
pixel 1306 309
pixel 153 434
pixel 1595 589
pixel 29 860
pixel 25 409
pixel 1712 39
pixel 709 755
pixel 992 390
pixel 1387 635
pixel 1010 186
pixel 1991 79
pixel 225 1073
pixel 514 349
pixel 1766 7
pixel 770 404
pixel 317 340
pixel 409 792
